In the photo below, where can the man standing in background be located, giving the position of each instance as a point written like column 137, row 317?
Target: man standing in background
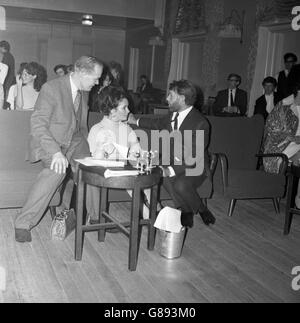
column 9, row 60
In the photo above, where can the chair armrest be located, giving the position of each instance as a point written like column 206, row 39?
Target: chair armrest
column 213, row 163
column 224, row 168
column 285, row 160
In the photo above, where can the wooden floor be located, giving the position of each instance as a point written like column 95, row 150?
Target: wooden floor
column 241, row 259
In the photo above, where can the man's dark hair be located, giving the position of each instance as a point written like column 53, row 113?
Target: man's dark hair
column 63, row 67
column 287, row 56
column 185, row 88
column 238, row 77
column 110, row 98
column 271, row 80
column 5, row 44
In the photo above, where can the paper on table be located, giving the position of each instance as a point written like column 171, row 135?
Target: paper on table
column 118, row 173
column 90, row 161
column 169, row 219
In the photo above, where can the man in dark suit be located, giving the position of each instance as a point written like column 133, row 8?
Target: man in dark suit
column 231, row 102
column 9, row 60
column 179, row 179
column 266, row 103
column 58, row 136
column 283, row 88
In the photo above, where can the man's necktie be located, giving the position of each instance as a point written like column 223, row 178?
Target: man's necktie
column 77, row 101
column 231, row 99
column 175, row 120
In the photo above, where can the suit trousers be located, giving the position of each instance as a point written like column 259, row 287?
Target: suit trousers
column 40, row 195
column 183, row 191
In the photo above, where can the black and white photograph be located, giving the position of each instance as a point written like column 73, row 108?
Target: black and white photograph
column 149, row 154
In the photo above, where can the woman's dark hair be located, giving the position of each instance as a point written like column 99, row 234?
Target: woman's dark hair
column 21, row 68
column 34, row 68
column 106, row 73
column 110, row 98
column 185, row 88
column 118, row 81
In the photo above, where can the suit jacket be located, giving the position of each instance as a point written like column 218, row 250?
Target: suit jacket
column 283, row 86
column 53, row 123
column 194, row 121
column 221, row 102
column 9, row 60
column 261, row 105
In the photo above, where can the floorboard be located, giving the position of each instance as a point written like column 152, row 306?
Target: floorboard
column 242, row 259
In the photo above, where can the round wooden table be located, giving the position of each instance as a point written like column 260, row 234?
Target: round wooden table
column 95, row 176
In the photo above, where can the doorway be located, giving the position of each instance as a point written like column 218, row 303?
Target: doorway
column 273, row 42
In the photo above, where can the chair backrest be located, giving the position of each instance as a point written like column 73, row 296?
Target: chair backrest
column 14, row 138
column 239, row 138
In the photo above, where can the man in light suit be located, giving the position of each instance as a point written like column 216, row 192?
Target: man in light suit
column 231, row 102
column 183, row 117
column 58, row 136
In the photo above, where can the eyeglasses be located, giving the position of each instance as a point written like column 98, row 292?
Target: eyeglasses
column 290, row 61
column 233, row 80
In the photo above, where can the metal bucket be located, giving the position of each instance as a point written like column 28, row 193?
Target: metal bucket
column 170, row 243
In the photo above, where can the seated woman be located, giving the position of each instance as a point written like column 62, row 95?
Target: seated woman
column 282, row 133
column 23, row 95
column 111, row 138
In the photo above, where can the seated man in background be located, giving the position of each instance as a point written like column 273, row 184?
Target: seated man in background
column 231, row 102
column 145, row 86
column 180, row 184
column 266, row 103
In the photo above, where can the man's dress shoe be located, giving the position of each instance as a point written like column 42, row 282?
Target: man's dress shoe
column 187, row 219
column 207, row 217
column 23, row 235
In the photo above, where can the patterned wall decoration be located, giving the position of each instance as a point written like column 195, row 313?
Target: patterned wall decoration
column 212, row 46
column 190, row 16
column 185, row 17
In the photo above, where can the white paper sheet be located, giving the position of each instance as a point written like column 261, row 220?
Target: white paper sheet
column 120, row 173
column 90, row 161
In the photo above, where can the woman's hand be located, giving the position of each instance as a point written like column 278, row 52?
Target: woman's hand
column 108, row 149
column 134, row 153
column 19, row 80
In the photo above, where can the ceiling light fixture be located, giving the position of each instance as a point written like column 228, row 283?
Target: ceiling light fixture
column 87, row 20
